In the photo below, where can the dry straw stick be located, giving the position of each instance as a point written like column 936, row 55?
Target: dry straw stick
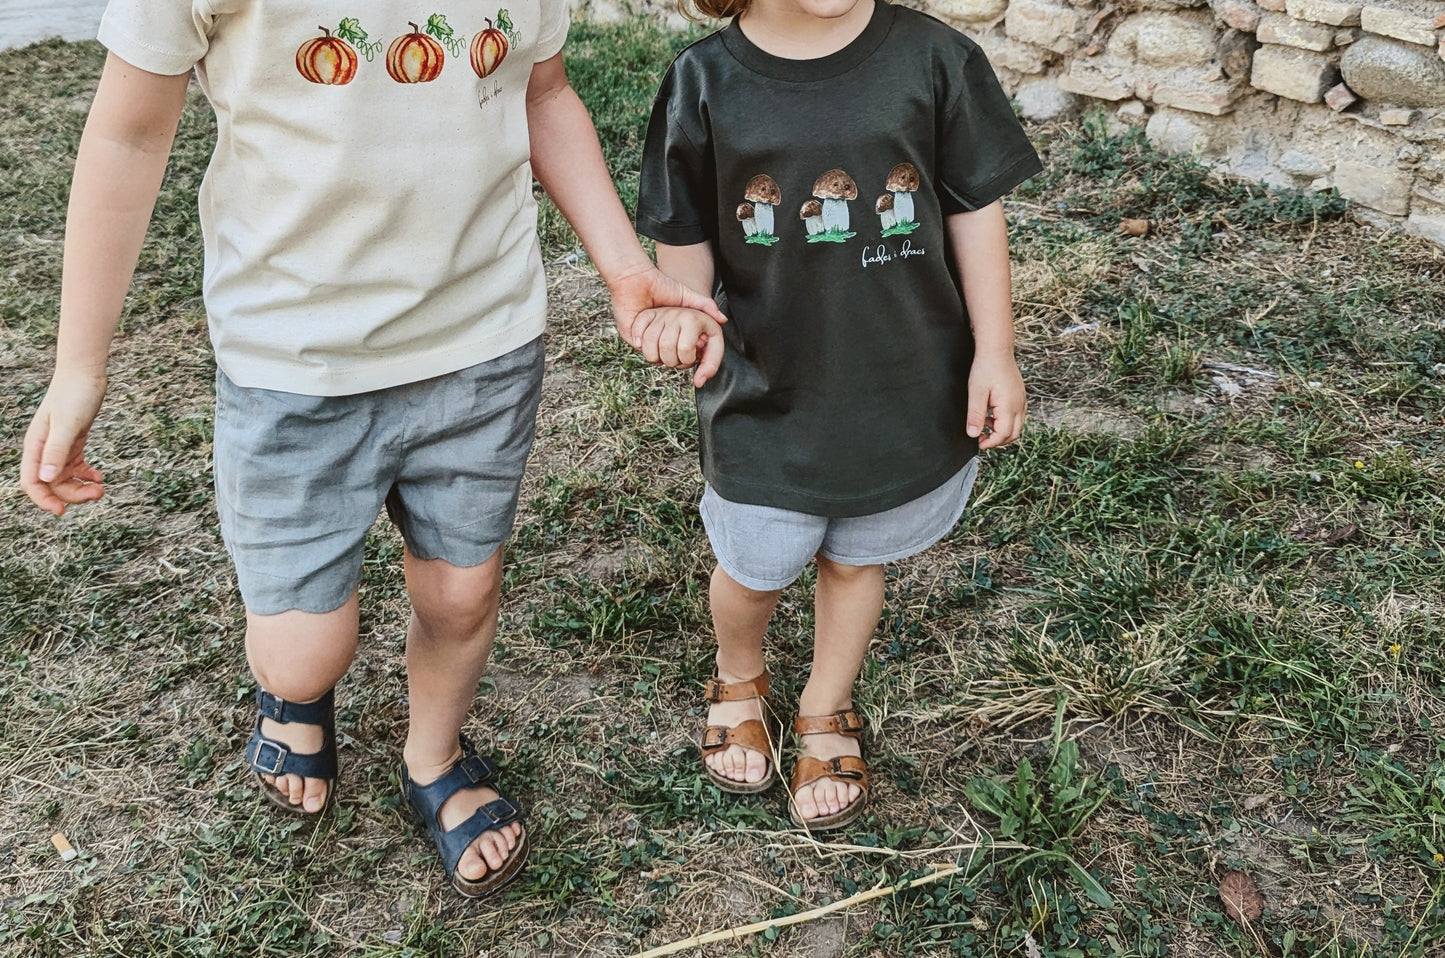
column 736, row 934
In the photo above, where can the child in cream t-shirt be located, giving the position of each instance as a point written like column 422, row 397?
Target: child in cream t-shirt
column 375, row 296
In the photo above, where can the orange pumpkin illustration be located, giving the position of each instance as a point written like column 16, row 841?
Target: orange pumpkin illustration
column 489, row 49
column 326, row 59
column 414, row 57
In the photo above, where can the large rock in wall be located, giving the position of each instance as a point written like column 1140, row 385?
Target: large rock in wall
column 1347, row 94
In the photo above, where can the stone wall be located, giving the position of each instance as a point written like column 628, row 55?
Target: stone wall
column 1306, row 93
column 1309, row 93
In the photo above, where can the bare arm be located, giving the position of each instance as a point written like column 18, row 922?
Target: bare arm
column 118, row 172
column 682, row 337
column 690, row 265
column 567, row 160
column 996, row 399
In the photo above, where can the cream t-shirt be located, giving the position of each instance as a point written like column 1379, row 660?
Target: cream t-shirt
column 367, row 215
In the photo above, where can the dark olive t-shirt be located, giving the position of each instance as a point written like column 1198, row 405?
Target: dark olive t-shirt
column 822, row 186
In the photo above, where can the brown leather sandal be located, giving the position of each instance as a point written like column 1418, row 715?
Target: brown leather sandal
column 848, row 769
column 754, row 734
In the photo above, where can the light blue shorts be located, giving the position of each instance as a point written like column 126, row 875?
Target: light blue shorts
column 765, row 549
column 300, row 479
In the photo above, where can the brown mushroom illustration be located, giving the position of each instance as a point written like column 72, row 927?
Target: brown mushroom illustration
column 884, row 209
column 748, row 217
column 812, row 216
column 835, row 188
column 763, row 192
column 903, row 183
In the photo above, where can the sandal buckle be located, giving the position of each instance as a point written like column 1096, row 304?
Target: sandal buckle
column 714, row 691
column 714, row 736
column 511, row 812
column 281, row 752
column 271, row 706
column 848, row 721
column 475, row 768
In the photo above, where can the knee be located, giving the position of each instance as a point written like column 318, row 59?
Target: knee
column 297, row 655
column 722, row 582
column 847, row 574
column 457, row 602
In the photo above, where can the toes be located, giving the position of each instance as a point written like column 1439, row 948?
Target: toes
column 293, row 787
column 315, row 793
column 757, row 766
column 472, row 866
column 489, row 852
column 807, row 808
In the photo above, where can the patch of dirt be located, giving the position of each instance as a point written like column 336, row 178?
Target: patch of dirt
column 1114, row 422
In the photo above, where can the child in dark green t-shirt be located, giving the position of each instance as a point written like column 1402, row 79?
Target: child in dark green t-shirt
column 833, row 171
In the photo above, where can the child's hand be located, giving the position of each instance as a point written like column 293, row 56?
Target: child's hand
column 996, row 401
column 680, row 338
column 53, row 470
column 635, row 295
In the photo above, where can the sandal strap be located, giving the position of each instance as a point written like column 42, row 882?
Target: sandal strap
column 720, row 691
column 468, row 772
column 453, row 843
column 845, row 768
column 278, row 709
column 844, row 722
column 267, row 756
column 752, row 734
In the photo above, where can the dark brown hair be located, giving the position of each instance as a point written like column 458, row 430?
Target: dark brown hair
column 716, row 9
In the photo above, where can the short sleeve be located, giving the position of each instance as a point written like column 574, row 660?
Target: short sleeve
column 983, row 152
column 167, row 37
column 676, row 200
column 555, row 22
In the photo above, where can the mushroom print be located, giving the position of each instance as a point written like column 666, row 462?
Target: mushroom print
column 327, row 59
column 763, row 193
column 902, row 184
column 835, row 188
column 812, row 216
column 489, row 48
column 884, row 209
column 748, row 217
column 415, row 57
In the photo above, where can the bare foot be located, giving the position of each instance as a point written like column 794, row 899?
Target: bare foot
column 302, row 739
column 491, row 849
column 827, row 796
column 736, row 763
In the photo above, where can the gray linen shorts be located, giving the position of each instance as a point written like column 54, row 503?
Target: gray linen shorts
column 300, row 479
column 765, row 548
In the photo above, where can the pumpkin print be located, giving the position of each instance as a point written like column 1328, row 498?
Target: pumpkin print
column 327, row 59
column 414, row 57
column 489, row 49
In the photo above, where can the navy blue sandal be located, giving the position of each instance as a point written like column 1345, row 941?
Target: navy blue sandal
column 266, row 756
column 469, row 772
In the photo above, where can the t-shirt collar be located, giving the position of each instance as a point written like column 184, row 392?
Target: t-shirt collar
column 820, row 68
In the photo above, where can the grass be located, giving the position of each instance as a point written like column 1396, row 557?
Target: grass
column 1190, row 623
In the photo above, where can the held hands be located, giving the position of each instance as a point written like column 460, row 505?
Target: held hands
column 53, row 470
column 641, row 292
column 996, row 401
column 670, row 324
column 680, row 338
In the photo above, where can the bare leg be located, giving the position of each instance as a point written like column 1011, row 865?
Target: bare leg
column 448, row 643
column 740, row 617
column 848, row 604
column 298, row 656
